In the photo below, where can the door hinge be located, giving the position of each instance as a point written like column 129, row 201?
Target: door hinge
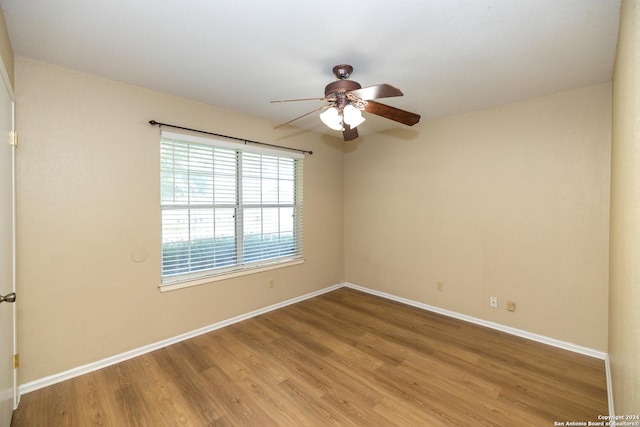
column 16, row 361
column 14, row 138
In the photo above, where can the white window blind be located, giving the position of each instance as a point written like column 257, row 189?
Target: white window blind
column 227, row 207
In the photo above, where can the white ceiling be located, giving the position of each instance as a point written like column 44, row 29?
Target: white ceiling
column 447, row 56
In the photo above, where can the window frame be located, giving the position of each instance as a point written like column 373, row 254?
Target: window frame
column 239, row 268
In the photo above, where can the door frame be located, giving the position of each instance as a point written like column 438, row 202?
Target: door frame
column 16, row 395
column 9, row 88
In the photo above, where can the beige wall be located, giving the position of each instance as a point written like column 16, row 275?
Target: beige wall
column 624, row 302
column 510, row 202
column 88, row 196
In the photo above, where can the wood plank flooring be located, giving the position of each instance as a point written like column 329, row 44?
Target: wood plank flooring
column 345, row 358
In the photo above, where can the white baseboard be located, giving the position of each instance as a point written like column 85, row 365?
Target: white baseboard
column 81, row 370
column 90, row 367
column 607, row 367
column 513, row 331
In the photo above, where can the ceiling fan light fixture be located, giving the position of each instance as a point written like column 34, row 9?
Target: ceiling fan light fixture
column 347, row 99
column 332, row 119
column 352, row 116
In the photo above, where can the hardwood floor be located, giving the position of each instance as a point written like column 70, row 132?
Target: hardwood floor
column 345, row 358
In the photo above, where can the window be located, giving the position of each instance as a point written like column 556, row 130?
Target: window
column 227, row 207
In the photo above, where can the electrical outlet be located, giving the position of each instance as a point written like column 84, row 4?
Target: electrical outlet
column 493, row 302
column 271, row 284
column 511, row 306
column 440, row 286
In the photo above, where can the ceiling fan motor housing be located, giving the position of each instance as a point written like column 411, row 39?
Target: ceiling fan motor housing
column 341, row 86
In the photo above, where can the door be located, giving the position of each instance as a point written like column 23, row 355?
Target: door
column 8, row 375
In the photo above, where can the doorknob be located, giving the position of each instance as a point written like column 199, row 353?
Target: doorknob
column 8, row 297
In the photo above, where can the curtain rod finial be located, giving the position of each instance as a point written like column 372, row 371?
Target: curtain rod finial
column 153, row 122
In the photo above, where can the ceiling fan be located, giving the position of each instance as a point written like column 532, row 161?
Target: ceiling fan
column 347, row 99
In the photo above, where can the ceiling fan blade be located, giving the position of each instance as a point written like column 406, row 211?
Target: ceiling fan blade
column 392, row 113
column 305, row 114
column 301, row 99
column 383, row 90
column 348, row 133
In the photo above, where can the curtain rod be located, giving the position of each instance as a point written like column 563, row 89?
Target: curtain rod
column 153, row 122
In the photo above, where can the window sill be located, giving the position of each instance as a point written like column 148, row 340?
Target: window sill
column 215, row 278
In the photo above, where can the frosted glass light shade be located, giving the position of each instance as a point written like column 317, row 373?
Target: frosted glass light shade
column 352, row 116
column 332, row 118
